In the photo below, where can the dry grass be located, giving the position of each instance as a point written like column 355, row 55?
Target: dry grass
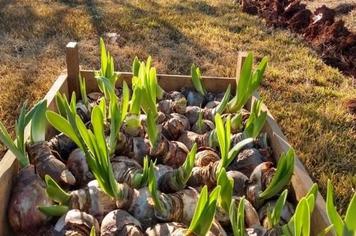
column 304, row 94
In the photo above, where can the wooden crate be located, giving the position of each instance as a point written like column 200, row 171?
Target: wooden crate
column 68, row 82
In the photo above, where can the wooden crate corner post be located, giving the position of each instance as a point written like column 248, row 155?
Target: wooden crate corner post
column 72, row 61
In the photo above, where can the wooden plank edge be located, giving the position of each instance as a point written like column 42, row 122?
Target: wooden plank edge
column 9, row 164
column 301, row 180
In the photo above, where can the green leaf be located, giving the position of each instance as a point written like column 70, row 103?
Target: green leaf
column 55, row 192
column 350, row 217
column 333, row 215
column 135, row 67
column 124, row 100
column 278, row 208
column 222, row 105
column 237, row 217
column 220, row 131
column 83, row 91
column 236, row 149
column 283, row 175
column 204, row 212
column 187, row 167
column 197, row 81
column 103, row 57
column 54, row 210
column 152, row 188
column 39, row 122
column 227, row 184
column 62, row 125
column 152, row 130
column 92, row 231
column 60, row 104
column 7, row 141
column 302, row 218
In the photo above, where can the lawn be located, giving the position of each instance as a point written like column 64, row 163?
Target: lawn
column 306, row 96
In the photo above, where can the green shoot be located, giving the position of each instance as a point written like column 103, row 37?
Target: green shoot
column 204, row 212
column 302, row 217
column 237, row 217
column 222, row 105
column 83, row 91
column 39, row 122
column 197, row 80
column 224, row 138
column 236, row 121
column 54, row 210
column 248, row 83
column 200, row 122
column 227, row 185
column 255, row 121
column 92, row 143
column 118, row 113
column 141, row 179
column 152, row 188
column 275, row 215
column 223, row 134
column 18, row 147
column 152, row 130
column 184, row 171
column 135, row 67
column 55, row 192
column 341, row 226
column 92, row 231
column 283, row 175
column 311, row 196
column 107, row 69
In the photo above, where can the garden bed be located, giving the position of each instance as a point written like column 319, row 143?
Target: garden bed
column 66, row 84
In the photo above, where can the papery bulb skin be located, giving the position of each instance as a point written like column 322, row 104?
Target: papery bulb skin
column 78, row 165
column 46, row 163
column 205, row 156
column 120, row 223
column 62, row 145
column 76, row 222
column 259, row 179
column 175, row 126
column 125, row 169
column 92, row 200
column 240, row 182
column 246, row 161
column 206, row 126
column 194, row 98
column 28, row 193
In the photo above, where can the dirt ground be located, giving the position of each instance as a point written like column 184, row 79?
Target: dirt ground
column 306, row 96
column 346, row 10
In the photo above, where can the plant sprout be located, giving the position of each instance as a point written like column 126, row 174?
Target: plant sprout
column 275, row 214
column 256, row 120
column 341, row 226
column 248, row 82
column 107, row 69
column 281, row 178
column 141, row 179
column 237, row 217
column 299, row 224
column 152, row 188
column 222, row 105
column 223, row 134
column 200, row 121
column 92, row 143
column 38, row 131
column 197, row 80
column 227, row 184
column 83, row 91
column 204, row 212
column 54, row 210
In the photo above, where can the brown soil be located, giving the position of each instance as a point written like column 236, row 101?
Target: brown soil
column 334, row 42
